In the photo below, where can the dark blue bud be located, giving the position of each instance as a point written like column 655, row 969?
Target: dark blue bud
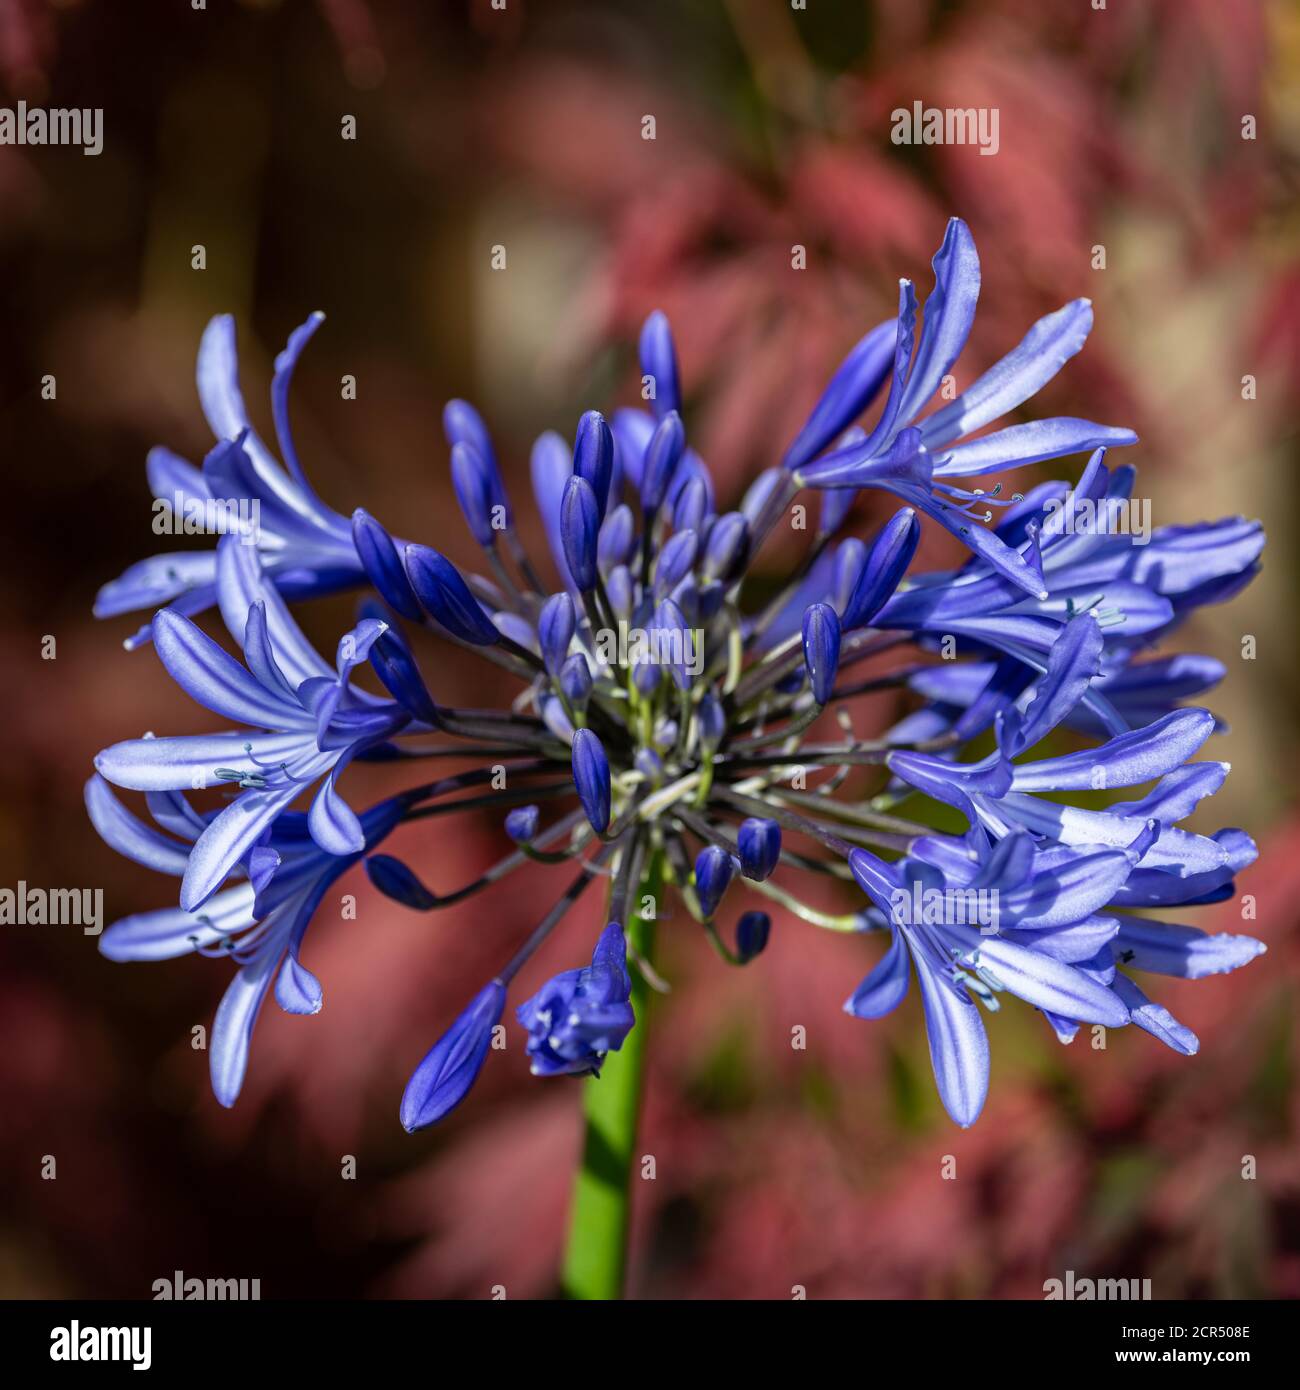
column 591, row 778
column 850, row 556
column 469, row 477
column 663, row 454
column 727, row 551
column 758, row 845
column 593, row 455
column 395, row 665
column 711, row 721
column 713, row 871
column 692, row 469
column 446, row 597
column 618, row 587
column 752, row 932
column 395, row 880
column 383, row 565
column 659, row 362
column 522, row 823
column 675, row 642
column 692, row 506
column 848, row 393
column 676, row 560
column 617, row 537
column 821, row 648
column 575, row 681
column 555, row 629
column 579, row 528
column 887, row 561
column 452, row 1065
column 462, row 424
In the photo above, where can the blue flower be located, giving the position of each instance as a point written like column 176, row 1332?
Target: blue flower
column 259, row 922
column 580, row 1015
column 915, row 458
column 305, row 547
column 1043, row 923
column 666, row 714
column 307, row 723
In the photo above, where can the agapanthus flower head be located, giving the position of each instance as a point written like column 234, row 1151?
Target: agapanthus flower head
column 676, row 726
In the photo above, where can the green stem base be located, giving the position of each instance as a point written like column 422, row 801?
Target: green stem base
column 595, row 1259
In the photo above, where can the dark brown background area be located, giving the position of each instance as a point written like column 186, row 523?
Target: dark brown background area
column 476, row 128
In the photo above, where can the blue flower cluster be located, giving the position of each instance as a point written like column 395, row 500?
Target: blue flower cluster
column 677, row 718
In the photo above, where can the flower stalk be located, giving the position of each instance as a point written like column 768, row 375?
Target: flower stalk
column 595, row 1259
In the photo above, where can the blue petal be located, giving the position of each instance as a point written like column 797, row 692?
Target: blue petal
column 1155, row 1018
column 1067, row 894
column 172, row 931
column 240, row 584
column 189, row 761
column 1018, row 445
column 225, row 842
column 158, row 580
column 297, row 990
column 217, row 681
column 334, row 824
column 949, row 314
column 129, row 835
column 959, row 1046
column 232, row 1029
column 168, row 474
column 1170, row 949
column 173, row 812
column 260, row 656
column 1127, row 760
column 1075, row 658
column 1043, row 351
column 1046, row 983
column 885, row 987
column 847, row 395
column 1072, row 945
column 1177, row 795
column 280, row 384
column 1176, row 851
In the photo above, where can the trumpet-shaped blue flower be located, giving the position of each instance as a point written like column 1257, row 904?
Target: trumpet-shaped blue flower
column 304, row 546
column 670, row 721
column 259, row 922
column 579, row 1016
column 306, row 723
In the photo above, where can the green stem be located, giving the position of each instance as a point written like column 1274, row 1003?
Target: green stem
column 595, row 1259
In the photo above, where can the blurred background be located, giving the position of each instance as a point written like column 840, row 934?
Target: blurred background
column 1120, row 128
